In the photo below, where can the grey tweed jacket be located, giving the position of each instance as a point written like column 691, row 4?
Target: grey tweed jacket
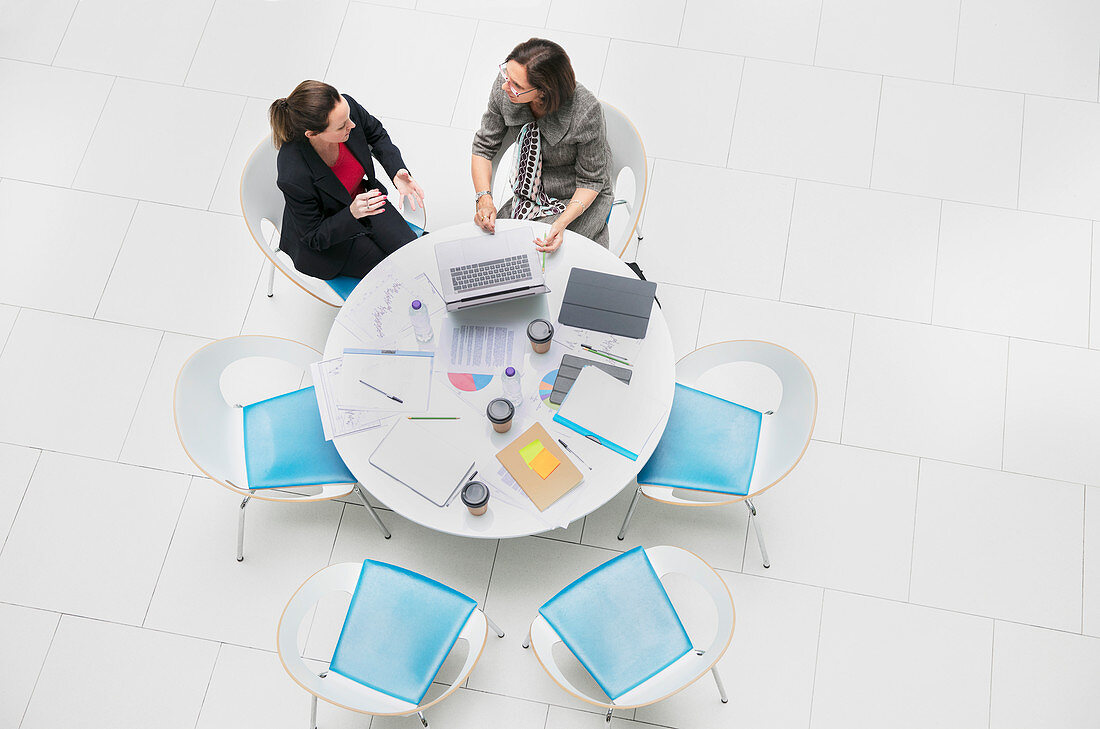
column 574, row 153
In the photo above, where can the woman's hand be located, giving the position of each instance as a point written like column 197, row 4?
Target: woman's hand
column 408, row 187
column 370, row 202
column 553, row 239
column 486, row 214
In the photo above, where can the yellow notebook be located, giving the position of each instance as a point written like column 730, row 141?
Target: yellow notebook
column 559, row 479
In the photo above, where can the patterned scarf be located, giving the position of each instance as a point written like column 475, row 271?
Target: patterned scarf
column 530, row 201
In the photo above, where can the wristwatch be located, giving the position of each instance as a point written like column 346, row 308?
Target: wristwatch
column 477, row 195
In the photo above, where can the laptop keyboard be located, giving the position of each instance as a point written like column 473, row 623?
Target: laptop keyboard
column 490, row 273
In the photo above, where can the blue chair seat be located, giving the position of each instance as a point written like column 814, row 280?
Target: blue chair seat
column 619, row 623
column 709, row 444
column 344, row 285
column 284, row 444
column 398, row 631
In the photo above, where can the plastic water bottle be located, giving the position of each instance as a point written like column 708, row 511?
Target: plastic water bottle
column 422, row 325
column 512, row 390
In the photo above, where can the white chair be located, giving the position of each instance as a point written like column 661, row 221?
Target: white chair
column 618, row 622
column 262, row 200
column 627, row 152
column 383, row 672
column 285, row 457
column 784, row 432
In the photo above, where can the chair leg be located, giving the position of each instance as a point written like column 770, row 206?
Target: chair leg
column 607, row 718
column 240, row 528
column 422, row 719
column 638, row 230
column 759, row 534
column 527, row 640
column 312, row 712
column 494, row 626
column 721, row 688
column 372, row 512
column 270, row 279
column 630, row 513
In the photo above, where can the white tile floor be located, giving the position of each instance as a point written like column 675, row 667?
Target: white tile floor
column 904, row 193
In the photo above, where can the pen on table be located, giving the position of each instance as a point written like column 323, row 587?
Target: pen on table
column 395, row 399
column 457, row 490
column 610, row 356
column 577, row 455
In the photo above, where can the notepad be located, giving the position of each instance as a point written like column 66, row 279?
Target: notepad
column 605, row 410
column 405, row 375
column 415, row 454
column 548, row 475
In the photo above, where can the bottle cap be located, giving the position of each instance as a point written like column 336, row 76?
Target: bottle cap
column 510, row 371
column 416, row 304
column 475, row 494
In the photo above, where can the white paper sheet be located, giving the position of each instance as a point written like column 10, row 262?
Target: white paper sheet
column 405, row 376
column 613, row 411
column 382, row 314
column 480, row 348
column 334, row 421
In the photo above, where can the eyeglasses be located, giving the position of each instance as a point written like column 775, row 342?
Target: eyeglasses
column 503, row 68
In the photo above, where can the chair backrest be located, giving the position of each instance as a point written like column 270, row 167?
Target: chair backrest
column 785, row 434
column 262, row 200
column 208, row 427
column 627, row 152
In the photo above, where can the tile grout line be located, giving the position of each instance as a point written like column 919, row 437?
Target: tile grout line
column 7, row 336
column 205, row 25
column 1092, row 263
column 465, row 68
column 228, row 151
column 817, row 657
column 489, row 582
column 958, row 30
column 91, row 137
column 144, row 387
column 1084, row 529
column 1004, row 410
column 992, row 661
column 817, row 36
column 913, row 542
column 15, row 514
column 209, row 683
column 874, row 139
column 603, row 70
column 118, row 253
column 167, row 550
column 328, row 562
column 699, row 325
column 64, row 33
column 936, row 267
column 787, row 243
column 847, row 383
column 336, row 41
column 683, row 17
column 733, row 122
column 38, row 676
column 1020, row 163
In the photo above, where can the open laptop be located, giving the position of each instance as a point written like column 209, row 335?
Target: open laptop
column 489, row 268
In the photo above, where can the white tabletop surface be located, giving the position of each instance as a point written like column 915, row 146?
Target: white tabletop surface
column 509, row 515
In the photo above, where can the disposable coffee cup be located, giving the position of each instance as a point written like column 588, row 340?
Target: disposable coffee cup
column 500, row 412
column 539, row 333
column 475, row 495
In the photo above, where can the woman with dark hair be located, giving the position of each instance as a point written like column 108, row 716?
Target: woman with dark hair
column 337, row 220
column 562, row 170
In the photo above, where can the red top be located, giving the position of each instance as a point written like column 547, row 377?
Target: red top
column 349, row 171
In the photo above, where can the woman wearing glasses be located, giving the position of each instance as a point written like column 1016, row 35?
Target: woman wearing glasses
column 562, row 170
column 337, row 220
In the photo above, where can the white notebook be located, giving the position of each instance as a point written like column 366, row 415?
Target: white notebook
column 405, row 375
column 416, row 455
column 609, row 412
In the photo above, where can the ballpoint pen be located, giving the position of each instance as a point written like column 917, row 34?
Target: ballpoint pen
column 395, row 399
column 608, row 355
column 458, row 489
column 575, row 454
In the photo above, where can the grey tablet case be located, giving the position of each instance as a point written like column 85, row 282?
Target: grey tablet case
column 602, row 302
column 571, row 367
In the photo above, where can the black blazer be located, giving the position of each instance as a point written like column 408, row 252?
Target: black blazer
column 318, row 227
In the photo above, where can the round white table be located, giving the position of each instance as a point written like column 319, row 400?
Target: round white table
column 378, row 302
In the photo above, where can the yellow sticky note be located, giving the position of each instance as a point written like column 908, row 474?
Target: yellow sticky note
column 529, row 451
column 544, row 463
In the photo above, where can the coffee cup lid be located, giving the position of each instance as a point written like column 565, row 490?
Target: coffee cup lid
column 475, row 494
column 500, row 410
column 540, row 330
